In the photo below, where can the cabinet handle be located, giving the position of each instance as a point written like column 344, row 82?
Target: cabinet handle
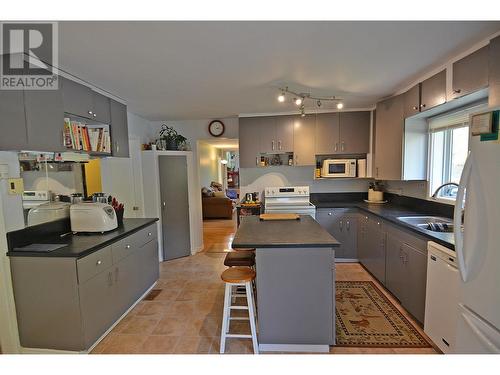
column 90, row 112
column 342, row 146
column 272, row 145
column 415, row 108
column 348, row 225
column 110, row 278
column 149, row 233
column 329, row 214
column 257, row 160
column 340, row 225
column 95, row 114
column 117, row 146
column 117, row 270
column 422, row 105
column 279, row 145
column 376, row 172
column 336, row 146
column 127, row 247
column 98, row 263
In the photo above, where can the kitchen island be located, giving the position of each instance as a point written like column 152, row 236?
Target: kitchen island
column 295, row 262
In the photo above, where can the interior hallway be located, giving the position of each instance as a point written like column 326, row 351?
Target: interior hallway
column 185, row 317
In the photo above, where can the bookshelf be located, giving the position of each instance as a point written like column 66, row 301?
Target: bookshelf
column 81, row 134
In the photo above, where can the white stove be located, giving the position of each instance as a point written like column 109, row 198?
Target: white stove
column 288, row 199
column 34, row 198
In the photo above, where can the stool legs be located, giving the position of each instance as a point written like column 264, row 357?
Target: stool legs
column 230, row 294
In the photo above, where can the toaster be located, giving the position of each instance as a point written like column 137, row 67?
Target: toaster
column 92, row 217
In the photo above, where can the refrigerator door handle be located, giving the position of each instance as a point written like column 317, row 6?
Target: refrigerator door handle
column 469, row 319
column 457, row 218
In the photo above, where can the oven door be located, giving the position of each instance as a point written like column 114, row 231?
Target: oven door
column 333, row 168
column 299, row 210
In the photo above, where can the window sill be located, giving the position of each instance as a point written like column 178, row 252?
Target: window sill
column 450, row 201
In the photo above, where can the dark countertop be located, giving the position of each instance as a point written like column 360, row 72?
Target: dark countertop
column 390, row 211
column 305, row 232
column 80, row 245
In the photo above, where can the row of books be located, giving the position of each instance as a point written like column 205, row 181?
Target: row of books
column 79, row 136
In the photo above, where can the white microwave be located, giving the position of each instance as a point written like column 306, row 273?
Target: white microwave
column 339, row 168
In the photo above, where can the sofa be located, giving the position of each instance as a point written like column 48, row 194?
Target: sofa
column 215, row 203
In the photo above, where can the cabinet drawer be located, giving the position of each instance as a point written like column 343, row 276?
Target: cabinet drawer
column 146, row 235
column 127, row 245
column 93, row 264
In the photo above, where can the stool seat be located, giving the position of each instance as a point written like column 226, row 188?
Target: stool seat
column 240, row 258
column 238, row 275
column 252, row 249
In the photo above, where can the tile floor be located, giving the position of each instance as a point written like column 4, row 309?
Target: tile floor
column 186, row 316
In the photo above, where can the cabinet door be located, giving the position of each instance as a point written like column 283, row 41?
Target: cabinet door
column 354, row 132
column 249, row 147
column 494, row 73
column 119, row 129
column 97, row 304
column 416, row 276
column 350, row 237
column 389, row 139
column 330, row 220
column 376, row 251
column 433, row 91
column 44, row 119
column 77, row 98
column 395, row 273
column 412, row 101
column 265, row 128
column 12, row 121
column 101, row 109
column 303, row 140
column 150, row 265
column 284, row 133
column 363, row 245
column 471, row 72
column 327, row 134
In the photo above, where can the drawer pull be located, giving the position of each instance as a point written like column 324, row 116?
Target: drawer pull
column 127, row 247
column 149, row 233
column 99, row 262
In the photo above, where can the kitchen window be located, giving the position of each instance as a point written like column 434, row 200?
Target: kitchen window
column 449, row 140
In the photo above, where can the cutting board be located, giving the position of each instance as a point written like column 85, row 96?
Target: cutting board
column 271, row 217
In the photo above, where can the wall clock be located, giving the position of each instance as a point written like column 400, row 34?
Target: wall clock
column 216, row 128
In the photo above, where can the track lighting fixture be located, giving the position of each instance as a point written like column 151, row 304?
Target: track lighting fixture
column 300, row 98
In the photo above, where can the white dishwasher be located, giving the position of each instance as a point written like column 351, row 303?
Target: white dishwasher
column 441, row 299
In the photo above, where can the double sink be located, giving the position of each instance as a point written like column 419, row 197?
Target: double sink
column 429, row 223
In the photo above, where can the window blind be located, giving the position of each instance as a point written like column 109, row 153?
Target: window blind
column 456, row 119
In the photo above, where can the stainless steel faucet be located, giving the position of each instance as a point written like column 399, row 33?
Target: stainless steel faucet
column 442, row 186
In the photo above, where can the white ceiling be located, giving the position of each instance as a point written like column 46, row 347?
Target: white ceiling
column 195, row 70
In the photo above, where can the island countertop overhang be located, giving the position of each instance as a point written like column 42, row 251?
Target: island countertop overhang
column 303, row 233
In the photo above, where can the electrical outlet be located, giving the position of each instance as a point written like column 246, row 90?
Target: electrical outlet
column 16, row 186
column 421, row 185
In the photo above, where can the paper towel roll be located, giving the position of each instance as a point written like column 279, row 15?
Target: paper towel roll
column 361, row 167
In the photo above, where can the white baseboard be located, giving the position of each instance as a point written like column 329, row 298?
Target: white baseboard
column 346, row 260
column 309, row 348
column 55, row 351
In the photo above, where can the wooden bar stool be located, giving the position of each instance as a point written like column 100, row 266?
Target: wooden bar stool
column 234, row 277
column 244, row 258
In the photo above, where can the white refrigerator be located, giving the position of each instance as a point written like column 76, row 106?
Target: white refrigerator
column 478, row 248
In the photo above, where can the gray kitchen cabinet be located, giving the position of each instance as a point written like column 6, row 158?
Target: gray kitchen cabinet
column 343, row 225
column 119, row 129
column 304, row 135
column 471, row 72
column 97, row 304
column 77, row 99
column 494, row 72
column 375, row 261
column 433, row 91
column 78, row 300
column 265, row 130
column 354, row 132
column 284, row 133
column 327, row 133
column 13, row 130
column 412, row 101
column 349, row 231
column 249, row 147
column 44, row 120
column 101, row 108
column 395, row 274
column 363, row 244
column 416, row 264
column 389, row 134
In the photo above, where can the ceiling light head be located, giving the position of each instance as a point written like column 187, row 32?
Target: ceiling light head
column 298, row 101
column 340, row 105
column 281, row 97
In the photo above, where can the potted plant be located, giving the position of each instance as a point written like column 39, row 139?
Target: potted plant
column 170, row 137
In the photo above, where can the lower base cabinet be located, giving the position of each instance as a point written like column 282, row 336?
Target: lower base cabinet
column 342, row 224
column 77, row 301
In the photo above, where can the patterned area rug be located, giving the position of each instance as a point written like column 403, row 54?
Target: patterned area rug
column 366, row 318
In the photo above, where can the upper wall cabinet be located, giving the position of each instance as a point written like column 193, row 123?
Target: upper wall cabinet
column 284, row 133
column 304, row 134
column 471, row 73
column 412, row 101
column 327, row 133
column 389, row 139
column 249, row 141
column 81, row 100
column 433, row 91
column 275, row 134
column 119, row 129
column 13, row 131
column 354, row 132
column 343, row 133
column 494, row 72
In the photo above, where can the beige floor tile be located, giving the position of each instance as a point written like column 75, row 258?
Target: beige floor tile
column 140, row 325
column 159, row 344
column 124, row 344
column 170, row 326
column 194, row 345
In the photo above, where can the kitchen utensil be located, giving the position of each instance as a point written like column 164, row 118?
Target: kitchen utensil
column 272, row 217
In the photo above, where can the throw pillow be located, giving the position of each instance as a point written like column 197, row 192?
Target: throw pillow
column 219, row 194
